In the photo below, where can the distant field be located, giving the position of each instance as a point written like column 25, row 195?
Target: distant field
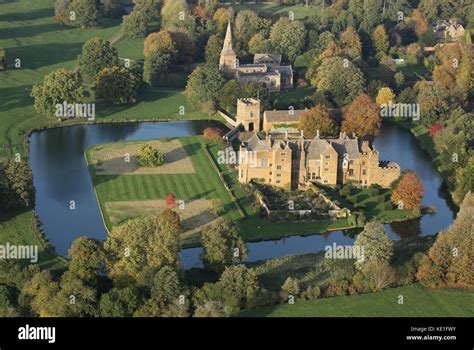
column 418, row 302
column 300, row 11
column 203, row 184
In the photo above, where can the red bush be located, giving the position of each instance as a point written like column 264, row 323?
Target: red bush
column 434, row 129
column 170, row 199
column 213, row 134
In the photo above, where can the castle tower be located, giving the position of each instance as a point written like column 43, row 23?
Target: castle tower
column 228, row 59
column 248, row 113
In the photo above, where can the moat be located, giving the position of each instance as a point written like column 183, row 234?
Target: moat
column 60, row 175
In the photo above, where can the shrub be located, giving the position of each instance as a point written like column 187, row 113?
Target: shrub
column 149, row 156
column 311, row 293
column 290, row 287
column 213, row 134
column 217, row 206
column 171, row 217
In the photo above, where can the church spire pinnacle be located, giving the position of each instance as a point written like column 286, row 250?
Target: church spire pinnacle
column 228, row 44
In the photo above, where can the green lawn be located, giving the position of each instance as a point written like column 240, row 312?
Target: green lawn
column 203, row 184
column 418, row 302
column 28, row 32
column 15, row 228
column 300, row 11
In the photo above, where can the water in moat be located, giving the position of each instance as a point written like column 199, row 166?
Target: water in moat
column 60, row 175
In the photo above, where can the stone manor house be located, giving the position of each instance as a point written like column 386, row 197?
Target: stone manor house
column 292, row 163
column 266, row 70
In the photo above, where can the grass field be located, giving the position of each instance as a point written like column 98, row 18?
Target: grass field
column 203, row 184
column 300, row 11
column 418, row 302
column 15, row 228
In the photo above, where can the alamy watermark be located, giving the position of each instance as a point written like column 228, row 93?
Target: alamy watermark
column 229, row 156
column 400, row 110
column 336, row 251
column 24, row 252
column 67, row 110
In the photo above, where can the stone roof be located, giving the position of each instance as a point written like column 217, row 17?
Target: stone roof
column 285, row 71
column 254, row 143
column 267, row 58
column 314, row 148
column 283, row 116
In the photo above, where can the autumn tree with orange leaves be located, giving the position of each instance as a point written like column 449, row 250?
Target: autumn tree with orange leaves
column 408, row 191
column 448, row 262
column 362, row 118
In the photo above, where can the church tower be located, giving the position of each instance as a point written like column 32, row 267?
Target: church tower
column 228, row 59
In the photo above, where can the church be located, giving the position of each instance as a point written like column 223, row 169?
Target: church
column 266, row 70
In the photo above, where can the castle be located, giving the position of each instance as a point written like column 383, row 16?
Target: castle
column 266, row 70
column 293, row 163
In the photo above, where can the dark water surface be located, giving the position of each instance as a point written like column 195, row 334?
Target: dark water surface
column 60, row 175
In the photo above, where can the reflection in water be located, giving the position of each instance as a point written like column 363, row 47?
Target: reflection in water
column 60, row 175
column 407, row 228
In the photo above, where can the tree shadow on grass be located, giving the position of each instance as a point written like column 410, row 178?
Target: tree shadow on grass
column 27, row 16
column 106, row 108
column 15, row 97
column 36, row 56
column 28, row 30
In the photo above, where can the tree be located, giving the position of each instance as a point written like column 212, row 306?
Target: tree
column 373, row 244
column 241, row 288
column 16, row 185
column 290, row 287
column 258, row 44
column 445, row 75
column 87, row 259
column 76, row 298
column 174, row 14
column 119, row 302
column 433, row 100
column 204, row 87
column 58, row 87
column 385, row 96
column 96, row 55
column 85, row 13
column 375, row 276
column 288, row 38
column 231, row 91
column 171, row 217
column 178, row 45
column 170, row 199
column 341, row 79
column 362, row 118
column 318, row 119
column 119, row 85
column 155, row 69
column 408, row 191
column 448, row 263
column 113, row 8
column 380, row 41
column 399, row 79
column 222, row 17
column 222, row 245
column 165, row 290
column 135, row 25
column 40, row 292
column 150, row 8
column 138, row 243
column 420, row 23
column 148, row 156
column 213, row 50
column 350, row 41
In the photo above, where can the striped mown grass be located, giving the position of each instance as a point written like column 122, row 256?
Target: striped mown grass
column 203, row 184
